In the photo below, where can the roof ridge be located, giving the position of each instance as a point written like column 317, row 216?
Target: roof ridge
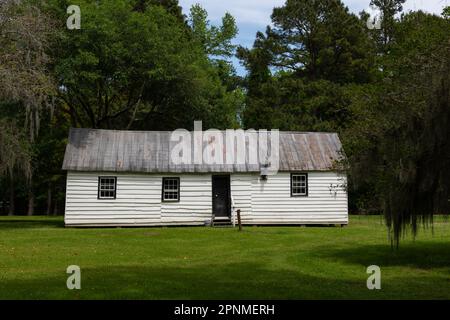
column 222, row 130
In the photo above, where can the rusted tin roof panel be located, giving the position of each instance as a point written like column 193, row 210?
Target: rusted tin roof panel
column 150, row 151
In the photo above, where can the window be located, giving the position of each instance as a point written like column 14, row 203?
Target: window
column 107, row 187
column 299, row 185
column 171, row 189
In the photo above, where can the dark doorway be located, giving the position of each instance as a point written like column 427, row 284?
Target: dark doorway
column 221, row 196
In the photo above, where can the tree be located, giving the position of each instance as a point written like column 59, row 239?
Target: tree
column 389, row 9
column 134, row 64
column 172, row 7
column 319, row 40
column 216, row 41
column 141, row 71
column 24, row 77
column 25, row 86
column 401, row 129
column 15, row 155
column 257, row 62
column 446, row 12
column 386, row 92
column 299, row 69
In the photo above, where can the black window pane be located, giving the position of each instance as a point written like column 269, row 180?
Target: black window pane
column 299, row 185
column 170, row 190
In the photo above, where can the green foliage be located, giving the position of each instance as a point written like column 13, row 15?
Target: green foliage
column 136, row 69
column 386, row 35
column 26, row 90
column 171, row 6
column 216, row 41
column 316, row 49
column 402, row 126
column 133, row 65
column 290, row 103
column 385, row 91
column 446, row 12
column 24, row 78
column 319, row 40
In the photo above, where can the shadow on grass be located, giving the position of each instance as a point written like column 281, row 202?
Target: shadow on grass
column 225, row 281
column 31, row 223
column 416, row 255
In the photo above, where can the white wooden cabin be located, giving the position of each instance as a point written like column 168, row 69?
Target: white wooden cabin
column 125, row 178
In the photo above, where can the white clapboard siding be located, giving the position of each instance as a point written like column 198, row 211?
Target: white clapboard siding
column 241, row 191
column 326, row 202
column 138, row 200
column 195, row 205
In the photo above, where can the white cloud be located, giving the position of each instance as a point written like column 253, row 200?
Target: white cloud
column 258, row 12
column 245, row 11
column 432, row 6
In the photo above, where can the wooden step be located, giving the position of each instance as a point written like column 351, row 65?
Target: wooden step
column 222, row 222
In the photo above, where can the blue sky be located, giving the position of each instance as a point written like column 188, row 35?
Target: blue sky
column 254, row 15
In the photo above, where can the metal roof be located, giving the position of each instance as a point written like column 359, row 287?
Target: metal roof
column 149, row 151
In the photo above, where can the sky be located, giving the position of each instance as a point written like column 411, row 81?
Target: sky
column 254, row 15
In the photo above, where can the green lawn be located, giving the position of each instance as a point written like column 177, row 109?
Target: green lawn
column 220, row 263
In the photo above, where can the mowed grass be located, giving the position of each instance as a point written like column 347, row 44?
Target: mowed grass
column 220, row 263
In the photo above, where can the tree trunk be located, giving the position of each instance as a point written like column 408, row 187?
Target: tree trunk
column 12, row 197
column 55, row 208
column 31, row 195
column 30, row 211
column 49, row 199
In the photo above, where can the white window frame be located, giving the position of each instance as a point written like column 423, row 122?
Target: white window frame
column 106, row 187
column 299, row 185
column 165, row 191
